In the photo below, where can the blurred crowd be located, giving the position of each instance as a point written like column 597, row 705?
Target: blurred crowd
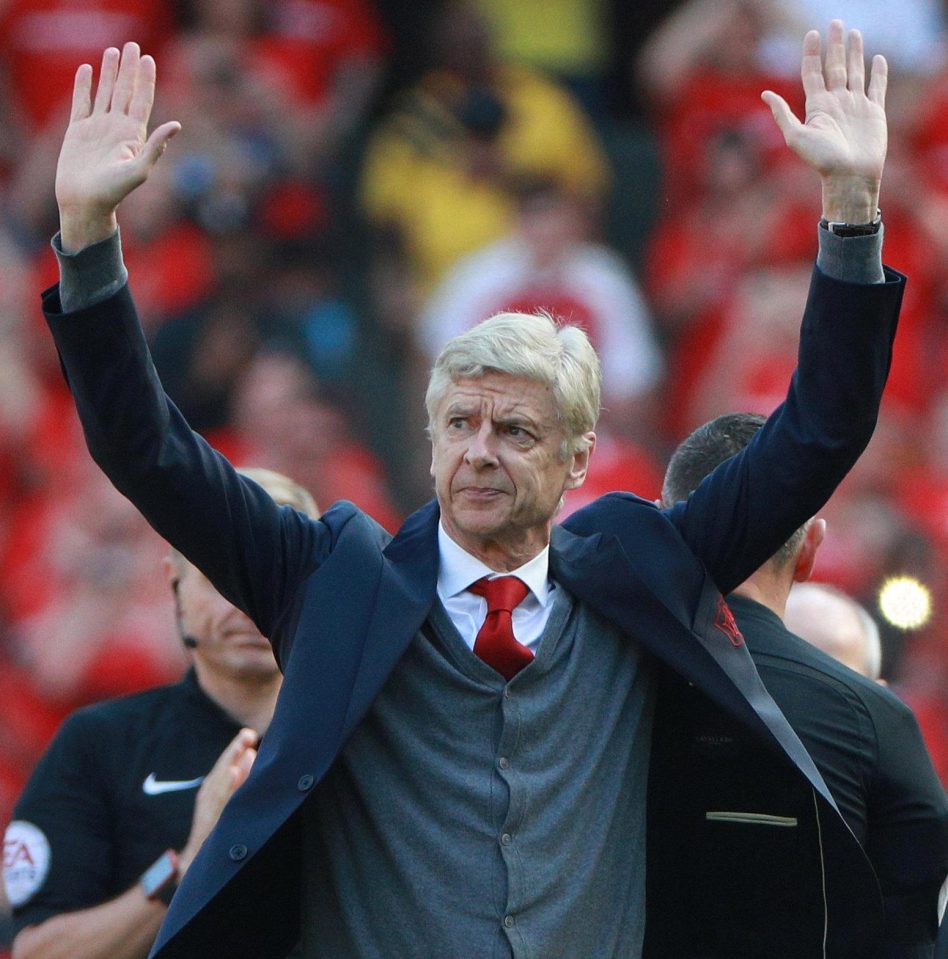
column 357, row 181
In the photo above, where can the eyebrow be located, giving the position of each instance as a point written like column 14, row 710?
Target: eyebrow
column 457, row 409
column 519, row 419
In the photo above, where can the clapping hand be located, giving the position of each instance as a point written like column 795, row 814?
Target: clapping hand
column 229, row 773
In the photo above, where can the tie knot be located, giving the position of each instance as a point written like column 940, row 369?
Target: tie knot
column 502, row 592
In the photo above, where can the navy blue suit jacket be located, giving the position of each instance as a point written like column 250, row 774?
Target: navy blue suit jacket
column 341, row 600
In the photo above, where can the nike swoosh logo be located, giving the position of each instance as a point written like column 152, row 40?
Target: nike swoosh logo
column 155, row 787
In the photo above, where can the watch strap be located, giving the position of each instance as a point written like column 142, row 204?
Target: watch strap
column 160, row 880
column 853, row 229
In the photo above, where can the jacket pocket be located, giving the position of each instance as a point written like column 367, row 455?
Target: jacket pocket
column 751, row 818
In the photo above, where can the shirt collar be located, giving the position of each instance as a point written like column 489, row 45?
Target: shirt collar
column 457, row 569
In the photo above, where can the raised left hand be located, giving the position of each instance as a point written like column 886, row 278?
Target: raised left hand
column 844, row 136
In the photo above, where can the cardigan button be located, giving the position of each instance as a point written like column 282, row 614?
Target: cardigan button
column 237, row 852
column 305, row 782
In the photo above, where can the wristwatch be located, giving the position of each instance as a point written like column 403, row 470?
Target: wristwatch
column 160, row 880
column 853, row 229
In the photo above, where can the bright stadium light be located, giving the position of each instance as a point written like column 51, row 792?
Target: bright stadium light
column 905, row 602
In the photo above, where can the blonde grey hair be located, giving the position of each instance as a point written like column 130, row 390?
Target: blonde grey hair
column 535, row 347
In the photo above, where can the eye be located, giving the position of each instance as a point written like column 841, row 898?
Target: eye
column 520, row 434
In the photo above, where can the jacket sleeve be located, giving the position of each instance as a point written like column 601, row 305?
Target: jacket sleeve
column 742, row 513
column 254, row 551
column 907, row 841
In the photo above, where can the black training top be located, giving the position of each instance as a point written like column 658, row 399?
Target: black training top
column 114, row 790
column 866, row 743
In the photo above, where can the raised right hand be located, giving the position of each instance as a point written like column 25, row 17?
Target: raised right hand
column 106, row 152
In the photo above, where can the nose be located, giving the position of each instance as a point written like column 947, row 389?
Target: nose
column 481, row 451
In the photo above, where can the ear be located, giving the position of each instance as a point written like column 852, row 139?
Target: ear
column 579, row 463
column 812, row 539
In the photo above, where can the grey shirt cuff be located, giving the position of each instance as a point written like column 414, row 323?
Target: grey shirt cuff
column 853, row 259
column 92, row 275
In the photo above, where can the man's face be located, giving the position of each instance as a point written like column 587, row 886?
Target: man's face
column 228, row 643
column 498, row 467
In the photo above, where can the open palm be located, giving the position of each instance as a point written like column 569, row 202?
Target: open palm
column 106, row 151
column 844, row 133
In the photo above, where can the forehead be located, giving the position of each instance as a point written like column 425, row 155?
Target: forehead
column 500, row 395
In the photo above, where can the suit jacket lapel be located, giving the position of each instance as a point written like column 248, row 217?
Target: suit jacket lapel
column 597, row 570
column 406, row 591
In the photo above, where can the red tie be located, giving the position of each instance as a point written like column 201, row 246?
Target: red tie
column 495, row 642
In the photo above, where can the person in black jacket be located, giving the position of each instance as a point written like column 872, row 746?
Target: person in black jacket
column 864, row 740
column 118, row 806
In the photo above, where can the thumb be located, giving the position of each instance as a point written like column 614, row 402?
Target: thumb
column 782, row 114
column 158, row 142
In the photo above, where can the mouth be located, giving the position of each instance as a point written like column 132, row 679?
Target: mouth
column 481, row 493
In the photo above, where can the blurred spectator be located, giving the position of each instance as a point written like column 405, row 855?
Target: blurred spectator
column 574, row 46
column 203, row 351
column 737, row 356
column 741, row 215
column 90, row 614
column 307, row 306
column 436, row 178
column 922, row 486
column 620, row 464
column 837, row 624
column 175, row 259
column 268, row 93
column 550, row 262
column 266, row 292
column 42, row 42
column 20, row 387
column 283, row 420
column 702, row 74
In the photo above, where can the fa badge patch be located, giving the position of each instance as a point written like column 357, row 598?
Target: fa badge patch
column 25, row 861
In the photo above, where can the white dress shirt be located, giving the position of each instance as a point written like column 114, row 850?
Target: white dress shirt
column 458, row 569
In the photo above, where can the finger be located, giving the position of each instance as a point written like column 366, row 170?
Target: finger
column 127, row 77
column 245, row 739
column 241, row 769
column 151, row 153
column 811, row 65
column 783, row 115
column 835, row 67
column 878, row 80
column 855, row 63
column 107, row 73
column 144, row 97
column 82, row 93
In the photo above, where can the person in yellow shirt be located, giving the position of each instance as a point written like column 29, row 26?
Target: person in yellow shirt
column 436, row 180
